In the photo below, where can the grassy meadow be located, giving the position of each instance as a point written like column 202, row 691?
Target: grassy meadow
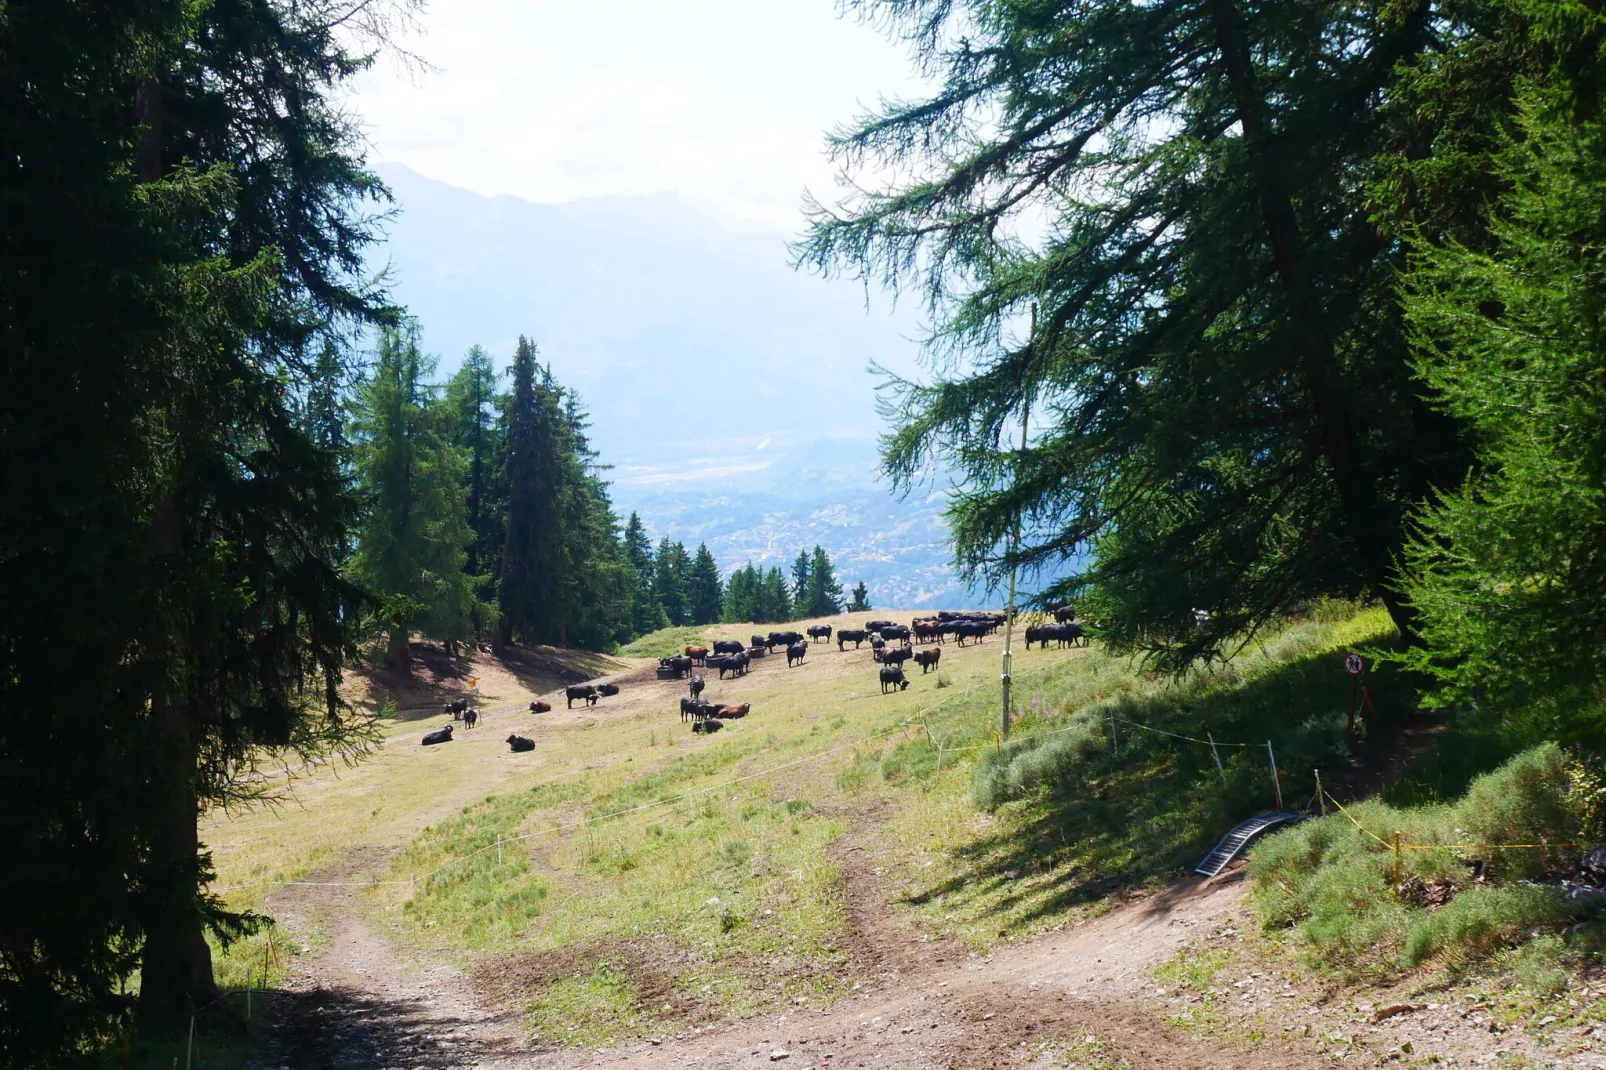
column 628, row 876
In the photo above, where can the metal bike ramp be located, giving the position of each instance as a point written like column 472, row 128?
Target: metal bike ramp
column 1239, row 837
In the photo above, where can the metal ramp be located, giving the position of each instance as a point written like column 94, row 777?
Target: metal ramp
column 1233, row 843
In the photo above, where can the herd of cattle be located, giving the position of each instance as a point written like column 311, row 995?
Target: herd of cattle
column 891, row 645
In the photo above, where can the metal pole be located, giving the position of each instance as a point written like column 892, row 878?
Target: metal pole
column 1005, row 677
column 1276, row 780
column 1320, row 798
column 1217, row 756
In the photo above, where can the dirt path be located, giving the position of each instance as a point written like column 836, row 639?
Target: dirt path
column 352, row 1003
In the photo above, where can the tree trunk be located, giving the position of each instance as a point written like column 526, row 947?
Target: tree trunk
column 1338, row 435
column 399, row 650
column 176, row 962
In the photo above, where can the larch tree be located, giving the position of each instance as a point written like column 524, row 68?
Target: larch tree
column 1152, row 225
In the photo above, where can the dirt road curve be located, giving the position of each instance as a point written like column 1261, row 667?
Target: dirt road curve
column 354, row 1004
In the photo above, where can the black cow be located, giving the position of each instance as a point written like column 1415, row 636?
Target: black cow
column 850, row 635
column 677, row 666
column 820, row 631
column 895, row 632
column 707, row 725
column 520, row 744
column 607, row 690
column 795, row 652
column 783, row 639
column 877, row 625
column 440, row 735
column 877, row 645
column 735, row 664
column 896, row 655
column 970, row 629
column 585, row 691
column 1035, row 634
column 693, row 708
column 892, row 678
column 727, row 646
column 697, row 684
column 928, row 658
column 757, row 640
column 471, row 717
column 456, row 708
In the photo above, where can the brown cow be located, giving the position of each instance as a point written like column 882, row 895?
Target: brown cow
column 697, row 654
column 540, row 706
column 928, row 658
column 734, row 711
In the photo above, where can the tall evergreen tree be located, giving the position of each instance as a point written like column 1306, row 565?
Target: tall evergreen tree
column 742, row 596
column 825, row 593
column 413, row 535
column 646, row 614
column 800, row 580
column 861, row 599
column 471, row 404
column 1509, row 572
column 774, row 601
column 670, row 575
column 705, row 592
column 1222, row 402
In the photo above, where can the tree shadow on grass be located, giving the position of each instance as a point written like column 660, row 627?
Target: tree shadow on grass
column 1090, row 825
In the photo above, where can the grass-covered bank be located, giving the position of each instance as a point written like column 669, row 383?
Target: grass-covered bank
column 1464, row 900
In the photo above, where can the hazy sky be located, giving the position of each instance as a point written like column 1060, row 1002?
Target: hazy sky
column 724, row 101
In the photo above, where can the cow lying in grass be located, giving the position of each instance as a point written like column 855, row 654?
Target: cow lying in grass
column 540, row 706
column 733, row 712
column 519, row 744
column 607, row 690
column 440, row 735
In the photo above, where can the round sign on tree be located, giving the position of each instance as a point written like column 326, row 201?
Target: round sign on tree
column 1353, row 664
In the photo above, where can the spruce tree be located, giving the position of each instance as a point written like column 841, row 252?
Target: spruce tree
column 471, row 404
column 1509, row 571
column 861, row 599
column 774, row 599
column 646, row 614
column 800, row 580
column 670, row 575
column 704, row 592
column 825, row 593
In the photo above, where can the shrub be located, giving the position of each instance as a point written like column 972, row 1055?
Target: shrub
column 1334, row 881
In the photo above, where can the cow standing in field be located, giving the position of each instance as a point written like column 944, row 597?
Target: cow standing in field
column 581, row 691
column 697, row 684
column 845, row 636
column 795, row 653
column 822, row 632
column 471, row 717
column 727, row 646
column 756, row 640
column 693, row 708
column 928, row 658
column 897, row 633
column 697, row 654
column 877, row 625
column 927, row 631
column 970, row 629
column 783, row 639
column 456, row 708
column 877, row 645
column 892, row 678
column 896, row 655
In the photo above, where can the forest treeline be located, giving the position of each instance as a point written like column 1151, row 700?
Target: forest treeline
column 482, row 513
column 1309, row 304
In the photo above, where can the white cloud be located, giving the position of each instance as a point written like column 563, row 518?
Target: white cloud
column 725, row 101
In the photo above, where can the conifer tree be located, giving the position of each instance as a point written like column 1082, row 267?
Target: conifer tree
column 774, row 598
column 742, row 596
column 861, row 599
column 1207, row 332
column 704, row 591
column 471, row 404
column 413, row 535
column 646, row 614
column 825, row 593
column 800, row 580
column 670, row 569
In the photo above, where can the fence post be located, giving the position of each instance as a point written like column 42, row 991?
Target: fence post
column 1277, row 781
column 1321, row 799
column 1115, row 742
column 1217, row 756
column 1396, row 863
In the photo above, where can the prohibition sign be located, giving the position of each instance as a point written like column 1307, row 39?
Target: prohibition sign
column 1353, row 664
